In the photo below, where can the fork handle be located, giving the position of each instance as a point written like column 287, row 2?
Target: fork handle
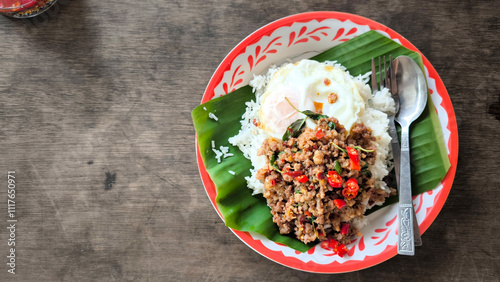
column 406, row 243
column 396, row 149
column 396, row 153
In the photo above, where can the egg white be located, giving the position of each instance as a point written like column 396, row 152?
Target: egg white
column 305, row 83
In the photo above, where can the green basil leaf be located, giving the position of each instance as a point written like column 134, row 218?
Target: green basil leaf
column 273, row 162
column 338, row 147
column 331, row 125
column 313, row 115
column 337, row 167
column 366, row 173
column 294, row 129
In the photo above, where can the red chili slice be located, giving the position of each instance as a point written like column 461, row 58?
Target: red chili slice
column 345, row 229
column 308, row 213
column 334, row 179
column 294, row 173
column 351, row 189
column 334, row 244
column 320, row 134
column 339, row 203
column 354, row 157
column 302, row 178
column 341, row 250
column 325, row 244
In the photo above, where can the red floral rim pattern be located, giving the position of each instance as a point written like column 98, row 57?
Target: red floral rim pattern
column 301, row 36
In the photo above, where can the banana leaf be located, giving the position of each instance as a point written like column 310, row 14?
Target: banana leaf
column 244, row 212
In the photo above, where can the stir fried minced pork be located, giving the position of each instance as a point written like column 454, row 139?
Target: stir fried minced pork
column 315, row 184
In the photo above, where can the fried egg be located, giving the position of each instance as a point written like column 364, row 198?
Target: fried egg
column 309, row 85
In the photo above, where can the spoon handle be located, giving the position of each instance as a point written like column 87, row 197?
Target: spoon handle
column 406, row 243
column 396, row 153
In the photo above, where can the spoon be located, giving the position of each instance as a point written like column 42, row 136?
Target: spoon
column 412, row 91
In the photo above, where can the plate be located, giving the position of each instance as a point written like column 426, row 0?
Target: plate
column 302, row 36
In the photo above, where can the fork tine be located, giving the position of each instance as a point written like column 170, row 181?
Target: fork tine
column 374, row 77
column 394, row 85
column 386, row 77
column 380, row 73
column 384, row 74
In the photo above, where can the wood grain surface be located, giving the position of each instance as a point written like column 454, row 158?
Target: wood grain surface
column 95, row 107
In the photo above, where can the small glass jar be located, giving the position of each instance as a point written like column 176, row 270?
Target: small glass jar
column 22, row 9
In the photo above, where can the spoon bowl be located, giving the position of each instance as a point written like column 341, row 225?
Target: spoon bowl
column 412, row 90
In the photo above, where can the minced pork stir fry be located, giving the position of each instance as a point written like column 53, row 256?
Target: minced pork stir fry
column 318, row 184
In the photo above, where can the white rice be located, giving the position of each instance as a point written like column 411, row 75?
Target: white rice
column 250, row 137
column 212, row 116
column 223, row 152
column 218, row 155
column 249, row 140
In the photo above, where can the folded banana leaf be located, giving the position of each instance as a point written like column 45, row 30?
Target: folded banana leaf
column 244, row 212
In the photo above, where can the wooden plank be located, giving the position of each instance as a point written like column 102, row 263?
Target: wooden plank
column 95, row 120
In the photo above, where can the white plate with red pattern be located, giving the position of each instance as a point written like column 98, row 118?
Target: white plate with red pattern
column 302, row 36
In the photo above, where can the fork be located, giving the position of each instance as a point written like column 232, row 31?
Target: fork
column 391, row 83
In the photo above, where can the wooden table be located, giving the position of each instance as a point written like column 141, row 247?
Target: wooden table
column 95, row 121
